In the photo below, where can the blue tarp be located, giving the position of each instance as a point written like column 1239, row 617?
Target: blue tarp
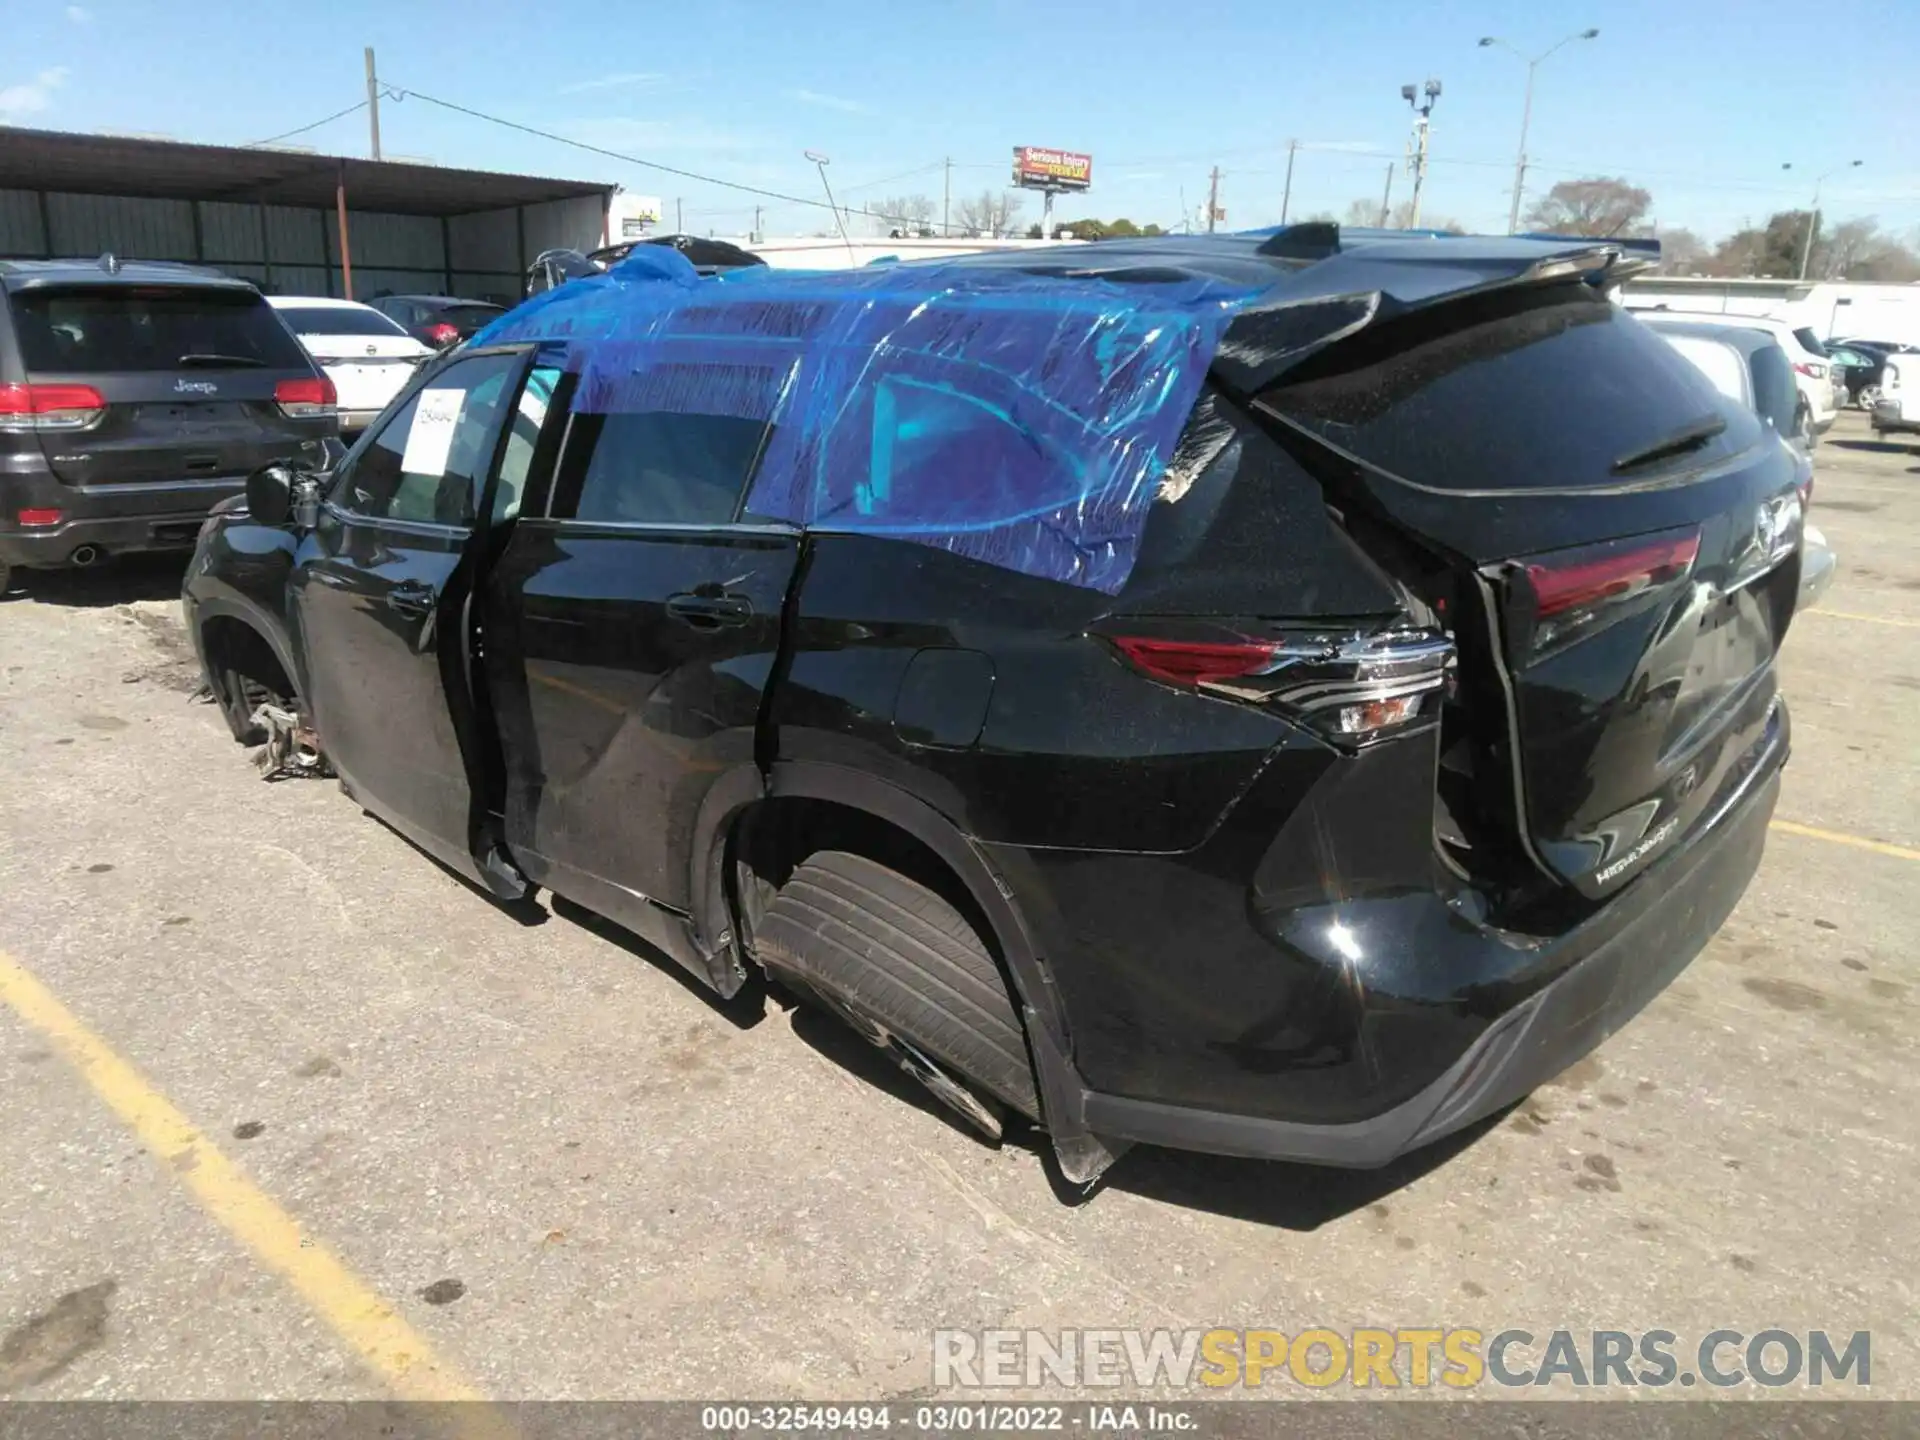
column 1016, row 418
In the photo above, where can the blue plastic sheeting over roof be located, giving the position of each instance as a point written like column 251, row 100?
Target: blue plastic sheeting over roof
column 1018, row 419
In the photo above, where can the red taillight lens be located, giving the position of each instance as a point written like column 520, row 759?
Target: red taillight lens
column 306, row 398
column 1559, row 588
column 50, row 407
column 442, row 334
column 1355, row 688
column 40, row 517
column 1195, row 662
column 1809, row 369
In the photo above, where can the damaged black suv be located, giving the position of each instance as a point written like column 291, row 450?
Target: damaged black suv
column 1282, row 695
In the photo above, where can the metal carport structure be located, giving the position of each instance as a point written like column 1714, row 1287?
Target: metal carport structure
column 294, row 222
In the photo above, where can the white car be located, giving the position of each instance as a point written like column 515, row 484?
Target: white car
column 1896, row 409
column 1809, row 369
column 367, row 356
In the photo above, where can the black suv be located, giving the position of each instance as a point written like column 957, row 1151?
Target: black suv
column 1277, row 696
column 135, row 395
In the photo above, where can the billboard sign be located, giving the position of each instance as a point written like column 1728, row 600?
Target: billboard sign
column 1038, row 169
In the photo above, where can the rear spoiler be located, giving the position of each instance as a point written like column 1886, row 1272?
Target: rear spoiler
column 1351, row 278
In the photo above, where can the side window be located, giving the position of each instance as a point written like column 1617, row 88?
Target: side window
column 914, row 456
column 678, row 445
column 523, row 436
column 429, row 460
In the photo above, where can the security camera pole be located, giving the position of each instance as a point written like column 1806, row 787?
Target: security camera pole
column 1526, row 113
column 1417, row 142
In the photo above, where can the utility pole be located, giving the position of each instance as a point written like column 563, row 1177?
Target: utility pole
column 1286, row 195
column 679, row 216
column 1526, row 112
column 1417, row 142
column 1386, row 197
column 1213, row 198
column 1813, row 215
column 946, row 198
column 373, row 103
column 756, row 224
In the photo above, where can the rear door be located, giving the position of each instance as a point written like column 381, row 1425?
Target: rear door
column 632, row 633
column 1614, row 543
column 379, row 599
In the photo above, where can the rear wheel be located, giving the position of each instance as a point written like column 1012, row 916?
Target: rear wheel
column 894, row 953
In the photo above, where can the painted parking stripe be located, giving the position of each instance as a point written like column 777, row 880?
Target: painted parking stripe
column 365, row 1322
column 1853, row 615
column 1839, row 837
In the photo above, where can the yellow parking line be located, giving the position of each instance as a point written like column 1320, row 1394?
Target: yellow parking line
column 1851, row 615
column 1836, row 837
column 367, row 1324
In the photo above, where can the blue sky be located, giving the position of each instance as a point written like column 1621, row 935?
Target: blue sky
column 1701, row 103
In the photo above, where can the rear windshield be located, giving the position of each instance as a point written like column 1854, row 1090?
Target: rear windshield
column 1541, row 391
column 336, row 320
column 1810, row 340
column 83, row 330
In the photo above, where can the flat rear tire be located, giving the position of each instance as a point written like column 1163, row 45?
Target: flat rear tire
column 890, row 948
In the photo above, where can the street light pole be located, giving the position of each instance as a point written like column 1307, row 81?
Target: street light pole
column 821, row 162
column 1813, row 215
column 1526, row 113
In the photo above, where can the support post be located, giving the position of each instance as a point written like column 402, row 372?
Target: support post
column 346, row 251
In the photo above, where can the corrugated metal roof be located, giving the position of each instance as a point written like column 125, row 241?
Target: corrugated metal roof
column 58, row 161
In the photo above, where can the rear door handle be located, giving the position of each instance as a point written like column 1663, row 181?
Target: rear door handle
column 709, row 612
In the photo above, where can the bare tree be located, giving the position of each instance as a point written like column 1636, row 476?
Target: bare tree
column 1598, row 205
column 909, row 214
column 989, row 214
column 1400, row 217
column 1860, row 250
column 1681, row 252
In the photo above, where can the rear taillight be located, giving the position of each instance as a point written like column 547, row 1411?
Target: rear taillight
column 1562, row 586
column 1571, row 594
column 39, row 518
column 1351, row 687
column 442, row 333
column 1809, row 369
column 306, row 399
column 50, row 407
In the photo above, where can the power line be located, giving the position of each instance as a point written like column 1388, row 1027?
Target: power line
column 395, row 92
column 357, row 105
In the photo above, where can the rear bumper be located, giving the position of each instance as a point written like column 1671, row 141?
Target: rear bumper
column 1534, row 1009
column 114, row 519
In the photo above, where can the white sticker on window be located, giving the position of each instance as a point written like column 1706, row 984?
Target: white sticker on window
column 429, row 442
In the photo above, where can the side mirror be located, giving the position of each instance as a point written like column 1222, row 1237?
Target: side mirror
column 270, row 495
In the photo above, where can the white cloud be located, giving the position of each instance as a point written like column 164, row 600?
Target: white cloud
column 32, row 97
column 827, row 102
column 620, row 81
column 79, row 15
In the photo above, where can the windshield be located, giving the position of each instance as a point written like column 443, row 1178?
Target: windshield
column 106, row 328
column 337, row 320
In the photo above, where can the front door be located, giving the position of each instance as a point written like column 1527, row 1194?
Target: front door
column 379, row 595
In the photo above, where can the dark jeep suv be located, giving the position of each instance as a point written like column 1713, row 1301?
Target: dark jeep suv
column 1284, row 696
column 135, row 395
